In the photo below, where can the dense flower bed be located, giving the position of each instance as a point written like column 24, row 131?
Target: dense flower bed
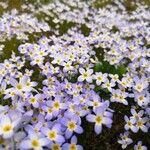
column 73, row 64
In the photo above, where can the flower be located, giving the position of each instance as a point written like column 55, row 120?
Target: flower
column 130, row 124
column 119, row 96
column 53, row 134
column 55, row 147
column 101, row 117
column 139, row 146
column 125, row 140
column 7, row 126
column 85, row 75
column 72, row 124
column 140, row 124
column 108, row 85
column 71, row 83
column 140, row 84
column 67, row 66
column 73, row 145
column 33, row 142
column 100, row 77
column 24, row 85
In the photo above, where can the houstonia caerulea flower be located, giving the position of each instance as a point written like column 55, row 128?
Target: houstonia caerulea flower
column 72, row 124
column 24, row 85
column 37, row 60
column 73, row 145
column 55, row 146
column 141, row 124
column 139, row 146
column 56, row 105
column 67, row 66
column 142, row 98
column 136, row 116
column 140, row 121
column 130, row 124
column 7, row 126
column 34, row 127
column 140, row 84
column 58, row 59
column 95, row 102
column 119, row 96
column 34, row 100
column 33, row 141
column 85, row 75
column 53, row 134
column 108, row 85
column 101, row 117
column 136, row 121
column 100, row 77
column 114, row 77
column 125, row 140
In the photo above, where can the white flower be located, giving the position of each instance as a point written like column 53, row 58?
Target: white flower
column 99, row 77
column 130, row 124
column 7, row 126
column 108, row 85
column 125, row 140
column 34, row 142
column 85, row 75
column 139, row 146
column 67, row 66
column 24, row 85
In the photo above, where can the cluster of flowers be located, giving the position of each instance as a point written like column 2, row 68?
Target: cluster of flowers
column 136, row 122
column 46, row 117
column 121, row 36
column 13, row 24
column 71, row 11
column 43, row 106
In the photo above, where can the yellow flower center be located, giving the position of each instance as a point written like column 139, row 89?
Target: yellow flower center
column 124, row 137
column 129, row 123
column 56, row 147
column 52, row 135
column 85, row 75
column 7, row 128
column 50, row 110
column 98, row 119
column 56, row 105
column 139, row 87
column 33, row 100
column 139, row 123
column 141, row 98
column 19, row 86
column 139, row 147
column 115, row 95
column 95, row 104
column 35, row 143
column 99, row 78
column 72, row 147
column 121, row 97
column 28, row 84
column 34, row 119
column 71, row 125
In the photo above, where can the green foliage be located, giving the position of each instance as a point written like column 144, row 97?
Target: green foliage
column 105, row 67
column 10, row 45
column 89, row 140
